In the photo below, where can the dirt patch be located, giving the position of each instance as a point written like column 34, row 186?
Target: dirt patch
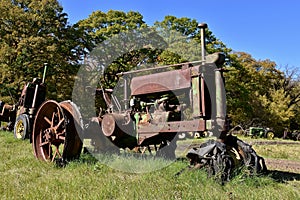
column 271, row 142
column 283, row 165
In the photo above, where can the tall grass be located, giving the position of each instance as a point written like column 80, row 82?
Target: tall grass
column 24, row 177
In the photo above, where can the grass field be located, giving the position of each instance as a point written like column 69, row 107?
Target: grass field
column 24, row 177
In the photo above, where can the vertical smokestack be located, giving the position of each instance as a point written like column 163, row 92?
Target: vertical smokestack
column 202, row 27
column 44, row 74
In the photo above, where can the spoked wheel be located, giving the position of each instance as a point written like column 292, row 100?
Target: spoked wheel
column 21, row 127
column 55, row 132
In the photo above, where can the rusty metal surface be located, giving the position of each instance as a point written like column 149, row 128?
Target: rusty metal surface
column 109, row 125
column 155, row 133
column 160, row 82
column 171, row 127
column 72, row 109
column 54, row 133
column 7, row 112
column 119, row 128
column 149, row 111
column 114, row 124
column 74, row 130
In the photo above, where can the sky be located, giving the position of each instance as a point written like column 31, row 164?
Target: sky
column 263, row 28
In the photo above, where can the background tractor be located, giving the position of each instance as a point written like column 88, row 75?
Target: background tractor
column 254, row 130
column 20, row 116
column 259, row 132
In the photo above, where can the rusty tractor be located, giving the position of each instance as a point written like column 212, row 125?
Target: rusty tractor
column 20, row 116
column 156, row 104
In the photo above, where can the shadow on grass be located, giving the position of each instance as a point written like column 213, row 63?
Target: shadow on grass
column 282, row 176
column 87, row 157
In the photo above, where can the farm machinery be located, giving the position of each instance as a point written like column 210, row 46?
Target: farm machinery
column 253, row 132
column 156, row 105
column 20, row 116
column 292, row 135
column 147, row 111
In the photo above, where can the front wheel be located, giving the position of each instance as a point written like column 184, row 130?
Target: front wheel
column 21, row 127
column 270, row 135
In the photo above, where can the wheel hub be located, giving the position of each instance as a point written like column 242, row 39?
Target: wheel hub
column 20, row 129
column 49, row 134
column 52, row 136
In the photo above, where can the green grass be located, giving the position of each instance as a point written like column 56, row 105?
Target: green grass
column 289, row 152
column 24, row 177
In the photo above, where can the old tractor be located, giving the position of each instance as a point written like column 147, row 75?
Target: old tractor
column 253, row 132
column 20, row 116
column 156, row 104
column 259, row 132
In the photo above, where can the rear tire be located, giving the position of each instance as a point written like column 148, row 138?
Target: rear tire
column 56, row 132
column 21, row 127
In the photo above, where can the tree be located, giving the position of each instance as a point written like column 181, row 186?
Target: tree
column 120, row 34
column 258, row 90
column 102, row 26
column 33, row 33
column 184, row 38
column 291, row 87
column 277, row 112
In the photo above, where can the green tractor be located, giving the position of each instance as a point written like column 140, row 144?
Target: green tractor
column 253, row 131
column 258, row 132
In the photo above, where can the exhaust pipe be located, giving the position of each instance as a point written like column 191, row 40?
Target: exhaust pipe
column 44, row 74
column 202, row 27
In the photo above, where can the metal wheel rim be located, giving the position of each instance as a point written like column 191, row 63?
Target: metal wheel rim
column 56, row 132
column 270, row 135
column 19, row 129
column 49, row 132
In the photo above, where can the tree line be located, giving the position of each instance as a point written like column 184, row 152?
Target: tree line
column 36, row 32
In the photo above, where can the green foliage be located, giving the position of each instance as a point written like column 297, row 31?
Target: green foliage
column 184, row 37
column 33, row 33
column 119, row 42
column 277, row 108
column 36, row 32
column 101, row 26
column 258, row 90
